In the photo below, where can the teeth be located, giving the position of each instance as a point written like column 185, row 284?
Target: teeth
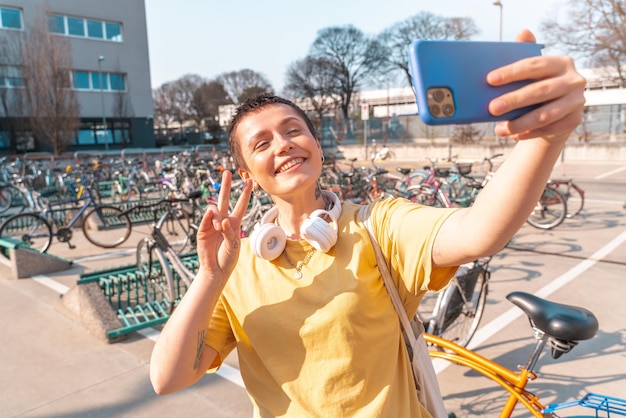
column 290, row 164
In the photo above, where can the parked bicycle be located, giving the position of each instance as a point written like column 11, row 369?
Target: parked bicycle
column 555, row 325
column 157, row 254
column 104, row 226
column 573, row 193
column 455, row 313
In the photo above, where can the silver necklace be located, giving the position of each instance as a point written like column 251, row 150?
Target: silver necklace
column 298, row 274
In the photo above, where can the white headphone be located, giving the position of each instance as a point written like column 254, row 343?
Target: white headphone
column 268, row 240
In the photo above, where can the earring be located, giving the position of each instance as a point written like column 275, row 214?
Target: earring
column 323, row 158
column 256, row 189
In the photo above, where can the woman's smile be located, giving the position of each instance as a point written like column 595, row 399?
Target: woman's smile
column 289, row 164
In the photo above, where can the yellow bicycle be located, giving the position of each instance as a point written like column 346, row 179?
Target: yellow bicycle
column 556, row 325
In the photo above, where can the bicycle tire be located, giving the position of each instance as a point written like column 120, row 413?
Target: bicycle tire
column 550, row 210
column 106, row 227
column 145, row 258
column 6, row 198
column 28, row 228
column 464, row 306
column 425, row 195
column 169, row 286
column 575, row 197
column 177, row 230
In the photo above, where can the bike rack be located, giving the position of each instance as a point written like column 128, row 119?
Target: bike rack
column 116, row 302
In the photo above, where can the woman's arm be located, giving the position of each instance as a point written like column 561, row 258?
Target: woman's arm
column 506, row 202
column 180, row 357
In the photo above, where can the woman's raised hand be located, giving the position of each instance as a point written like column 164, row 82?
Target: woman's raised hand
column 558, row 87
column 219, row 238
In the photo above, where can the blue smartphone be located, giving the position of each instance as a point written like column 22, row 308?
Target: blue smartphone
column 449, row 79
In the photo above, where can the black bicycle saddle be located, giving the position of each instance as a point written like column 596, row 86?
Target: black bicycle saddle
column 564, row 322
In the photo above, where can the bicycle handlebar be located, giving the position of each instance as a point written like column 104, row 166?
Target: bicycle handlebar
column 169, row 200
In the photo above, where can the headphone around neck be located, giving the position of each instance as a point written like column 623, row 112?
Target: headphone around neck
column 268, row 240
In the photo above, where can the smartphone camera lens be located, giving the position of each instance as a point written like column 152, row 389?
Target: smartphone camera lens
column 438, row 96
column 448, row 109
column 435, row 110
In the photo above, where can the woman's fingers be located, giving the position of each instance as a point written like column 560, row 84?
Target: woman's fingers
column 525, row 36
column 244, row 199
column 559, row 92
column 223, row 198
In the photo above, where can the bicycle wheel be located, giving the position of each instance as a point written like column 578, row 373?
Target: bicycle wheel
column 550, row 211
column 574, row 196
column 425, row 195
column 464, row 306
column 106, row 227
column 28, row 228
column 177, row 230
column 6, row 198
column 166, row 280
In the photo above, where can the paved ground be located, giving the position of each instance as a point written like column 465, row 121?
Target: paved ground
column 50, row 366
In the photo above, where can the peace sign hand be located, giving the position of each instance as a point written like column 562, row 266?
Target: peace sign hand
column 219, row 239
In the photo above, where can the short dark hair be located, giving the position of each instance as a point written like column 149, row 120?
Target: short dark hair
column 254, row 104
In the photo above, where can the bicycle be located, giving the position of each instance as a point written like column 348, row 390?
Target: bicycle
column 550, row 211
column 457, row 311
column 104, row 226
column 554, row 324
column 574, row 195
column 156, row 256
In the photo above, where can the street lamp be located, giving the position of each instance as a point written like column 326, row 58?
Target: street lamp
column 499, row 4
column 104, row 119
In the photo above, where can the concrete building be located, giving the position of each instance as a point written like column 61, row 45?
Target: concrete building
column 110, row 70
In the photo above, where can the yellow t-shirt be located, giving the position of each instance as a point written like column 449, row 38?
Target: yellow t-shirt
column 330, row 343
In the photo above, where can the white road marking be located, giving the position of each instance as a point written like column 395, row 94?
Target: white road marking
column 50, row 283
column 610, row 173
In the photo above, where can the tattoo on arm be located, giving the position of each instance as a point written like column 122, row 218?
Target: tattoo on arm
column 200, row 349
column 235, row 243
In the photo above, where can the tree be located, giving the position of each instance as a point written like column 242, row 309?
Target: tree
column 182, row 92
column 208, row 98
column 163, row 107
column 243, row 83
column 354, row 58
column 314, row 80
column 51, row 103
column 425, row 25
column 12, row 107
column 594, row 30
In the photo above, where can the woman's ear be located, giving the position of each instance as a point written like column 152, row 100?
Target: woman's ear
column 243, row 173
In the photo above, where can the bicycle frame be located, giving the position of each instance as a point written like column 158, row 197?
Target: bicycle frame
column 563, row 326
column 513, row 382
column 49, row 210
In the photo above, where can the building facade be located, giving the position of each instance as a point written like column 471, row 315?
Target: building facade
column 109, row 74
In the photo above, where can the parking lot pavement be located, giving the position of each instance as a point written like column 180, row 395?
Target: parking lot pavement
column 52, row 367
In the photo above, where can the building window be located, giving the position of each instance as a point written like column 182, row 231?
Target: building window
column 113, row 32
column 11, row 77
column 91, row 132
column 10, row 18
column 117, row 82
column 5, row 141
column 81, row 80
column 85, row 28
column 90, row 80
column 75, row 26
column 94, row 29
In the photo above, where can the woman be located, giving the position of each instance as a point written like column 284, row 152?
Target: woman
column 302, row 299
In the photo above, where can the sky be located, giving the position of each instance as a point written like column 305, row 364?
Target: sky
column 210, row 37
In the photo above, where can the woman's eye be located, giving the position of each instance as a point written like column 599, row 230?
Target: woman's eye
column 260, row 145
